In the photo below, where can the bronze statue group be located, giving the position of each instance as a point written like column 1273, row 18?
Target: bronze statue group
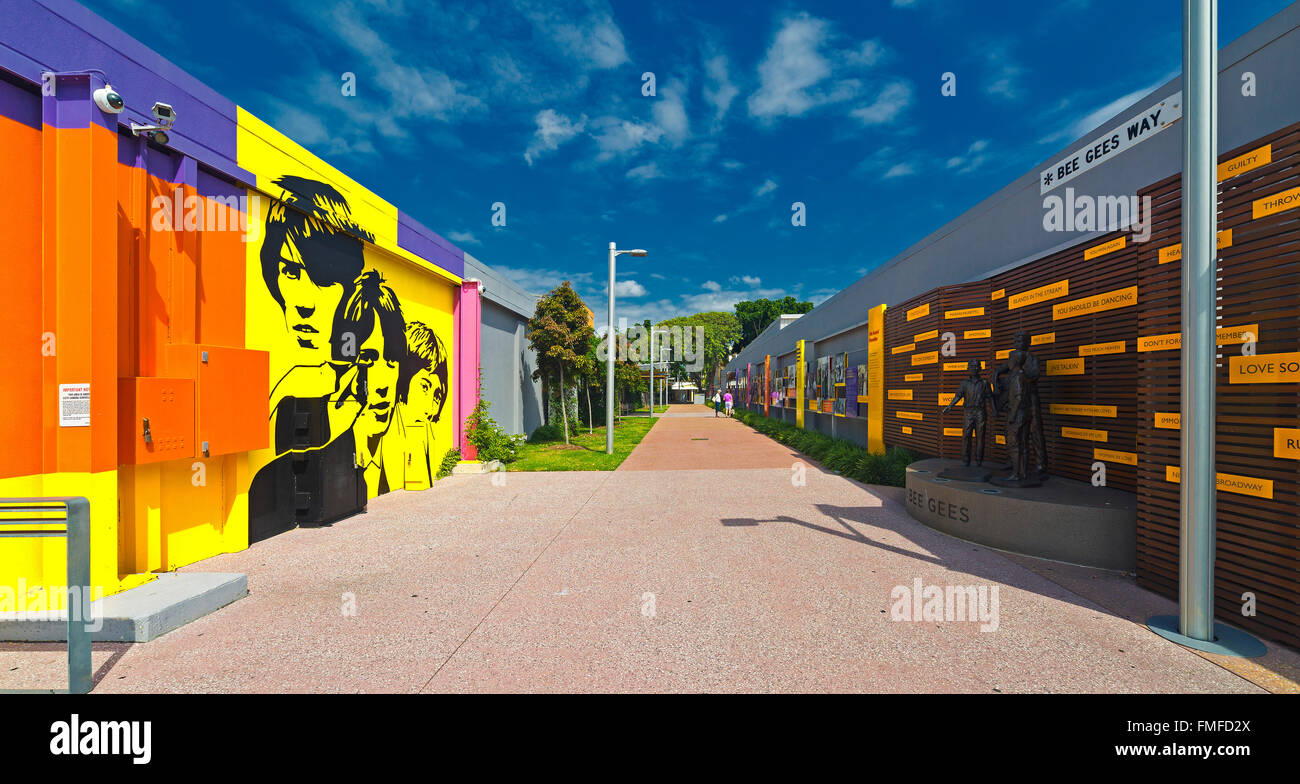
column 1012, row 392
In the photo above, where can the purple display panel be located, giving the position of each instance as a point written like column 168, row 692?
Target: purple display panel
column 851, row 391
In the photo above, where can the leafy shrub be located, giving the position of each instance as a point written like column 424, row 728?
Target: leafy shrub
column 449, row 462
column 489, row 439
column 836, row 454
column 547, row 433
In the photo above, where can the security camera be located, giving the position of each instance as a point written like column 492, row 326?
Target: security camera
column 109, row 100
column 164, row 114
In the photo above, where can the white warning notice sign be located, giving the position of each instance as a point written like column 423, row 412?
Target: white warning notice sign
column 74, row 405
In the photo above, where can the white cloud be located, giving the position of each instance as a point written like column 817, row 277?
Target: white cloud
column 711, row 285
column 645, row 172
column 553, row 130
column 904, row 3
column 974, row 158
column 720, row 218
column 540, row 281
column 670, row 113
column 792, row 66
column 719, row 91
column 615, row 136
column 748, row 280
column 465, row 237
column 587, row 35
column 767, row 187
column 889, row 104
column 628, row 288
column 900, row 170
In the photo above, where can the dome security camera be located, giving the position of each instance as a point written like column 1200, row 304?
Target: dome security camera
column 109, row 100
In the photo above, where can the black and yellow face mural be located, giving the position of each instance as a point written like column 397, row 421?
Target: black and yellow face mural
column 360, row 373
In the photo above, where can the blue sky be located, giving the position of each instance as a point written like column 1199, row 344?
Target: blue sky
column 539, row 104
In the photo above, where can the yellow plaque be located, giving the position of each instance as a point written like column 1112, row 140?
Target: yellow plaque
column 928, row 358
column 1113, row 456
column 1065, row 367
column 1265, row 369
column 1286, row 442
column 914, row 377
column 1004, row 353
column 1043, row 339
column 951, row 366
column 1254, row 159
column 907, row 429
column 864, row 399
column 1098, row 349
column 1172, row 340
column 1226, row 335
column 1230, row 483
column 1111, row 300
column 999, row 294
column 952, row 431
column 977, row 334
column 1084, row 434
column 963, row 313
column 900, row 394
column 1175, row 252
column 1071, row 409
column 1104, row 248
column 1165, row 421
column 1278, row 202
column 903, row 349
column 946, row 397
column 1000, row 439
column 1051, row 291
column 918, row 312
column 934, row 333
column 909, row 415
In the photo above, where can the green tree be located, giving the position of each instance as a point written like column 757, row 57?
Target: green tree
column 755, row 316
column 559, row 333
column 721, row 332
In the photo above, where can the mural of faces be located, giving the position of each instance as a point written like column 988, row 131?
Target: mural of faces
column 344, row 317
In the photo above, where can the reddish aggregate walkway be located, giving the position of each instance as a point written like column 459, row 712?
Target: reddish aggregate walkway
column 689, row 437
column 732, row 579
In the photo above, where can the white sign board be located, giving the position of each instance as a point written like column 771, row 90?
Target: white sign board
column 74, row 405
column 1108, row 146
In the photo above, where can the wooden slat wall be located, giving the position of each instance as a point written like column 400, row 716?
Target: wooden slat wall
column 1106, row 380
column 901, row 427
column 1258, row 538
column 966, row 310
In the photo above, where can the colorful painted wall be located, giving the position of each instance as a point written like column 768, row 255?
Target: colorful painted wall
column 215, row 340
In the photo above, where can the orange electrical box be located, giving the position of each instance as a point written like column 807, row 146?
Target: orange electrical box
column 157, row 421
column 231, row 389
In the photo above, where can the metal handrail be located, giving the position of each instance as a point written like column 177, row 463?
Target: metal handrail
column 76, row 528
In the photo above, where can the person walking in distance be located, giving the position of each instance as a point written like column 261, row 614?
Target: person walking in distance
column 727, row 401
column 717, row 403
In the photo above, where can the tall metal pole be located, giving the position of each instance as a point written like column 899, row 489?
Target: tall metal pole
column 609, row 362
column 652, row 372
column 1200, row 202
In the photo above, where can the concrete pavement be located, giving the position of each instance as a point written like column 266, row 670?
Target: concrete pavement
column 703, row 578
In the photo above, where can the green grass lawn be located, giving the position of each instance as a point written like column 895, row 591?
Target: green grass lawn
column 586, row 452
column 646, row 410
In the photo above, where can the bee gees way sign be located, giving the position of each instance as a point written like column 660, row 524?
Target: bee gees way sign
column 1110, row 145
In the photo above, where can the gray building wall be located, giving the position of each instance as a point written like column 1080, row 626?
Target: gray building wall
column 1006, row 229
column 506, row 362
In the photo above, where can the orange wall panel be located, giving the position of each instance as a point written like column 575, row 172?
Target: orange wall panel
column 20, row 226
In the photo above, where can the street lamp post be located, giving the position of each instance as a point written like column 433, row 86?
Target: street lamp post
column 611, row 350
